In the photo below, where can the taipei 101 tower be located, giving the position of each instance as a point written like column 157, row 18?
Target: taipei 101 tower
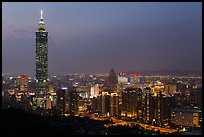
column 41, row 82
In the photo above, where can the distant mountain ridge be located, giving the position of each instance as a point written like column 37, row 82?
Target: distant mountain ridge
column 169, row 72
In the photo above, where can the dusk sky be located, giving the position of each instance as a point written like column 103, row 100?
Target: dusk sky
column 94, row 37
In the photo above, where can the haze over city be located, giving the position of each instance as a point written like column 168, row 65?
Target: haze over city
column 94, row 37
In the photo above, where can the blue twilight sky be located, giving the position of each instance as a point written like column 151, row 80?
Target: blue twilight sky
column 94, row 37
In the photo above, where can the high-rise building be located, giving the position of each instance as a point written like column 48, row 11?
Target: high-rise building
column 67, row 101
column 105, row 103
column 169, row 89
column 135, row 79
column 96, row 104
column 181, row 88
column 21, row 83
column 112, row 80
column 41, row 82
column 157, row 107
column 61, row 101
column 157, row 87
column 197, row 97
column 122, row 84
column 146, row 98
column 166, row 104
column 148, row 105
column 114, row 104
column 53, row 98
column 131, row 102
column 95, row 91
column 72, row 101
column 122, row 78
column 92, row 92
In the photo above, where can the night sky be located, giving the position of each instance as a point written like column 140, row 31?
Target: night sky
column 94, row 37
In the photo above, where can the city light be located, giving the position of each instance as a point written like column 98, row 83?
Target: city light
column 131, row 101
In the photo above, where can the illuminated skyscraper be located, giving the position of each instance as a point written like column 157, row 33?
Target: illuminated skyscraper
column 96, row 104
column 131, row 102
column 67, row 101
column 95, row 91
column 105, row 103
column 157, row 107
column 72, row 101
column 112, row 80
column 114, row 104
column 41, row 60
column 148, row 104
column 62, row 106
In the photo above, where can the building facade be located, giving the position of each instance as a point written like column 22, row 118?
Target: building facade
column 185, row 117
column 41, row 82
column 114, row 104
column 135, row 79
column 169, row 89
column 61, row 102
column 131, row 102
column 67, row 101
column 112, row 80
column 122, row 78
column 21, row 83
column 95, row 91
column 105, row 103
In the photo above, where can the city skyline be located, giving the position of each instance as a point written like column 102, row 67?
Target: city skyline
column 94, row 37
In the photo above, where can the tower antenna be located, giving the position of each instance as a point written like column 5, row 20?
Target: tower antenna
column 41, row 11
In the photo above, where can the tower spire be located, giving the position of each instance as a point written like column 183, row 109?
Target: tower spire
column 41, row 23
column 41, row 12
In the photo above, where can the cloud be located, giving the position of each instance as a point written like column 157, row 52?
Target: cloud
column 19, row 31
column 12, row 32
